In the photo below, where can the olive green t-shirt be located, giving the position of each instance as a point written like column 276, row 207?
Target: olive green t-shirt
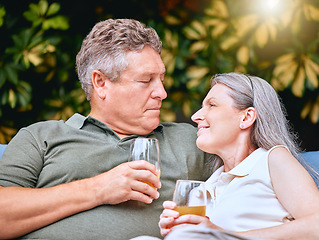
column 49, row 153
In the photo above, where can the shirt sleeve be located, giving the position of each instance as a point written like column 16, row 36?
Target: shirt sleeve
column 21, row 162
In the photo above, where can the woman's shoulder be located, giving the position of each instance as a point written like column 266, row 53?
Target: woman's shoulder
column 279, row 157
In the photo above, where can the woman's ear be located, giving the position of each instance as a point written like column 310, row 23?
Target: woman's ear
column 99, row 83
column 248, row 118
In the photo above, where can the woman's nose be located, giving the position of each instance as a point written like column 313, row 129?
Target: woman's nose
column 197, row 116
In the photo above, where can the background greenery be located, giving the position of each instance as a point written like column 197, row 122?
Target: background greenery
column 275, row 40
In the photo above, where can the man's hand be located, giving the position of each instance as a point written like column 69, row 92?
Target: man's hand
column 20, row 214
column 124, row 183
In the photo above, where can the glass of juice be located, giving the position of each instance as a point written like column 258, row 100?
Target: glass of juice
column 146, row 149
column 190, row 197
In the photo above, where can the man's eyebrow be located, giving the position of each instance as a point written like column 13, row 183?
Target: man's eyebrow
column 147, row 74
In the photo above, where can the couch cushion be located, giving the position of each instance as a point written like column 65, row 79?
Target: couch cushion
column 2, row 147
column 312, row 158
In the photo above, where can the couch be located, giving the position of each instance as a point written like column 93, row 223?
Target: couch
column 2, row 148
column 311, row 157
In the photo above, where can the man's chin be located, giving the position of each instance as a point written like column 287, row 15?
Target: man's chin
column 149, row 126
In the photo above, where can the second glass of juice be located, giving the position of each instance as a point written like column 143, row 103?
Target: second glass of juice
column 190, row 197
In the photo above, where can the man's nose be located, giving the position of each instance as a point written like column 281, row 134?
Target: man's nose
column 159, row 90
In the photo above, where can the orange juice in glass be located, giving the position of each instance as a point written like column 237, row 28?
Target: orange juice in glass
column 146, row 149
column 190, row 197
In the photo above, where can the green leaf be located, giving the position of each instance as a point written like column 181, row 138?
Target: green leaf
column 53, row 9
column 43, row 7
column 63, row 75
column 54, row 40
column 4, row 98
column 12, row 98
column 57, row 22
column 31, row 16
column 47, row 24
column 180, row 63
column 35, row 40
column 17, row 57
column 18, row 41
column 61, row 22
column 2, row 14
column 34, row 8
column 26, row 36
column 2, row 77
column 37, row 22
column 24, row 93
column 12, row 73
column 25, row 62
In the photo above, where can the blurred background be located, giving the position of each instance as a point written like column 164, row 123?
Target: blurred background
column 277, row 40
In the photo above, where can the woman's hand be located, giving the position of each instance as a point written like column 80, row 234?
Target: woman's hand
column 171, row 219
column 167, row 218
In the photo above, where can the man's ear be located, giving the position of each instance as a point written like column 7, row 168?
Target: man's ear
column 248, row 118
column 99, row 83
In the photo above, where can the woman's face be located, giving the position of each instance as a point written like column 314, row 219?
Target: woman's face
column 218, row 121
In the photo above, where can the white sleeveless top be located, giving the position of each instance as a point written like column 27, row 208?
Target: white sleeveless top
column 243, row 198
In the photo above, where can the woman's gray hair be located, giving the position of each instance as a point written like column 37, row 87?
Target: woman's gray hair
column 271, row 127
column 105, row 48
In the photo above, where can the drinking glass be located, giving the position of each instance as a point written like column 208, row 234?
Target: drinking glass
column 190, row 197
column 146, row 149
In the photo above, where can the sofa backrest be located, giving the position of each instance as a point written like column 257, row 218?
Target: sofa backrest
column 2, row 148
column 311, row 157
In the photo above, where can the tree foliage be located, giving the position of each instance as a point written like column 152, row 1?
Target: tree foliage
column 276, row 40
column 34, row 69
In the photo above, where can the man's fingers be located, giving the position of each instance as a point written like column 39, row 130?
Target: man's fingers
column 146, row 172
column 141, row 197
column 131, row 179
column 143, row 165
column 145, row 188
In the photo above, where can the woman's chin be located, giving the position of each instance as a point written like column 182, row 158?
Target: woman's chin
column 201, row 145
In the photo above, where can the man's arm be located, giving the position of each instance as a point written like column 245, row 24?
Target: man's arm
column 23, row 210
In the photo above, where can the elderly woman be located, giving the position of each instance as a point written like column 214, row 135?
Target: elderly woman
column 261, row 190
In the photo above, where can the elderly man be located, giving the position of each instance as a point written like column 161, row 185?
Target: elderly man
column 71, row 179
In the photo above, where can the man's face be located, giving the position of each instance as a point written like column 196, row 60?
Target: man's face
column 133, row 102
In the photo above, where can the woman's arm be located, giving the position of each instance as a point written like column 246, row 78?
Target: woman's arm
column 295, row 190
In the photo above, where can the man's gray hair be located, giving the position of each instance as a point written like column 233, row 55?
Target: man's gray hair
column 105, row 48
